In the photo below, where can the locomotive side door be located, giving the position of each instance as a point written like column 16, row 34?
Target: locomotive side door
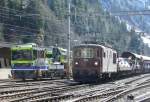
column 100, row 57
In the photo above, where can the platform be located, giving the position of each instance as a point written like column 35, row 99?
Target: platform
column 4, row 73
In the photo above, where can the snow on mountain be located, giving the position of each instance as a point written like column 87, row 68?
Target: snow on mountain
column 140, row 23
column 146, row 40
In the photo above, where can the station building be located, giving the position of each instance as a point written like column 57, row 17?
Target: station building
column 5, row 60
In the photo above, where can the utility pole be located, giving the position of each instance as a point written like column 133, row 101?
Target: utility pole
column 69, row 33
column 87, row 28
column 142, row 17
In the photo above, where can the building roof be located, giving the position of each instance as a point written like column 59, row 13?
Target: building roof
column 134, row 55
column 5, row 44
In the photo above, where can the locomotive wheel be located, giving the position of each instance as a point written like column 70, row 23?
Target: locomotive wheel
column 52, row 75
column 23, row 79
column 35, row 79
column 62, row 77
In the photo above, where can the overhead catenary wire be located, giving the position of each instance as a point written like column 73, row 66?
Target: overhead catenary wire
column 94, row 14
column 7, row 18
column 17, row 42
column 20, row 27
column 25, row 35
column 16, row 26
column 16, row 15
column 30, row 15
column 58, row 21
column 8, row 14
column 46, row 18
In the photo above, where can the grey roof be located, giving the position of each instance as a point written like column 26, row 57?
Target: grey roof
column 5, row 44
column 134, row 55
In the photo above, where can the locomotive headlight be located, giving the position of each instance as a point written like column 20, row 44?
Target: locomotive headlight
column 76, row 63
column 96, row 63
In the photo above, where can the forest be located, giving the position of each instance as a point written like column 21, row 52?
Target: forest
column 45, row 22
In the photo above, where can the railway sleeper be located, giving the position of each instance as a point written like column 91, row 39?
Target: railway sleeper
column 27, row 93
column 33, row 96
column 15, row 95
column 46, row 94
column 16, row 90
column 53, row 99
column 95, row 97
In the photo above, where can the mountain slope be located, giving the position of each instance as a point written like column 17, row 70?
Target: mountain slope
column 140, row 21
column 46, row 23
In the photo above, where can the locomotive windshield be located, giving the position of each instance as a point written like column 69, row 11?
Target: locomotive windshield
column 22, row 55
column 56, row 54
column 84, row 53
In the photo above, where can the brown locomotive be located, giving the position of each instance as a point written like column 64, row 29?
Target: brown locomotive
column 92, row 62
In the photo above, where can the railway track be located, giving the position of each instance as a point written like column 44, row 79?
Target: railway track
column 46, row 93
column 62, row 92
column 95, row 94
column 33, row 88
column 143, row 98
column 27, row 84
column 30, row 87
column 80, row 95
column 125, row 92
column 121, row 85
column 134, row 84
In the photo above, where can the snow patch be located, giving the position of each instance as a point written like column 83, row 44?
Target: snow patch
column 146, row 40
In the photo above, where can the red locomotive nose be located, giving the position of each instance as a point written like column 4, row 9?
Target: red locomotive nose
column 86, row 63
column 87, row 75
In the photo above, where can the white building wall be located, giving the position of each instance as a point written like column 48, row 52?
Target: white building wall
column 5, row 73
column 5, row 70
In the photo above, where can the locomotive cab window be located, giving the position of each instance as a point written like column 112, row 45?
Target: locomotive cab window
column 21, row 55
column 77, row 53
column 104, row 54
column 34, row 54
column 87, row 53
column 114, row 58
column 84, row 53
